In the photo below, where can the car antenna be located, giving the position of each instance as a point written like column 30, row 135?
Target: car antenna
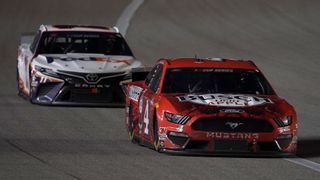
column 196, row 57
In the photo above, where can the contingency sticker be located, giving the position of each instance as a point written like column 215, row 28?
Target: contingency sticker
column 134, row 92
column 224, row 100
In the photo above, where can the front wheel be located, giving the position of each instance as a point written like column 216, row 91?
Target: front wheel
column 131, row 126
column 18, row 83
column 31, row 93
column 156, row 142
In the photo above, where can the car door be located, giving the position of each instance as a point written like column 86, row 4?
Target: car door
column 146, row 104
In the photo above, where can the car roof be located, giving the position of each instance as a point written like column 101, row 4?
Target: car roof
column 208, row 63
column 87, row 28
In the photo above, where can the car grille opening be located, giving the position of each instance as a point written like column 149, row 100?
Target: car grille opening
column 194, row 144
column 223, row 124
column 85, row 95
column 44, row 89
column 231, row 145
column 267, row 146
column 77, row 90
column 178, row 140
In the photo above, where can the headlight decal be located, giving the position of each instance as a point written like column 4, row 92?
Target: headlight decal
column 46, row 71
column 283, row 121
column 44, row 75
column 177, row 119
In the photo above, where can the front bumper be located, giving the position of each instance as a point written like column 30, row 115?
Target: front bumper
column 226, row 153
column 185, row 140
column 72, row 91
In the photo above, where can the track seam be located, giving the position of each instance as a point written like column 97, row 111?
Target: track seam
column 123, row 22
column 39, row 159
column 304, row 162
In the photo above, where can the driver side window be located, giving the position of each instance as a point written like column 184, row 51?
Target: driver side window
column 153, row 78
column 35, row 42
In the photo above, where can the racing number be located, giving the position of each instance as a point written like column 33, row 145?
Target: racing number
column 146, row 118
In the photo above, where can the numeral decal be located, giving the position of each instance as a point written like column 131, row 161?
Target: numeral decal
column 146, row 118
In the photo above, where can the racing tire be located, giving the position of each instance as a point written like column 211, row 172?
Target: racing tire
column 132, row 136
column 156, row 142
column 19, row 90
column 30, row 89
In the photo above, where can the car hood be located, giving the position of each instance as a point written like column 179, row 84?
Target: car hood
column 226, row 103
column 86, row 63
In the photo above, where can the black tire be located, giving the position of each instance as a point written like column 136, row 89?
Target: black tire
column 131, row 127
column 30, row 89
column 156, row 142
column 18, row 83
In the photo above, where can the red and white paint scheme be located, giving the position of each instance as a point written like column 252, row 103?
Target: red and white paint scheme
column 209, row 105
column 74, row 64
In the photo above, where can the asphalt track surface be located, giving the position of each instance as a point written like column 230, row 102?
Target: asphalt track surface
column 41, row 142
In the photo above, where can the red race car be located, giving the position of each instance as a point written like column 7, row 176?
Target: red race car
column 209, row 106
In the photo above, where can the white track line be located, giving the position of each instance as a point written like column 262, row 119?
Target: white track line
column 124, row 19
column 123, row 24
column 304, row 162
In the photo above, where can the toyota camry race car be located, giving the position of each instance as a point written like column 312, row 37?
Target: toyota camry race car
column 209, row 105
column 74, row 65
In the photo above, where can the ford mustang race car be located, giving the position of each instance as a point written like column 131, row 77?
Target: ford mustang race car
column 209, row 105
column 74, row 65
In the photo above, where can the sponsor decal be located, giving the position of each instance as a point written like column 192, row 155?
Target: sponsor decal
column 162, row 130
column 162, row 133
column 163, row 136
column 92, row 85
column 134, row 92
column 51, row 59
column 233, row 125
column 224, row 100
column 223, row 135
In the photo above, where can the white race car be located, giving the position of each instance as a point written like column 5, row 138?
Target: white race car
column 74, row 65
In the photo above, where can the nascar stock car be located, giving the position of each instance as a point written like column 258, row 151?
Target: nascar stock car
column 211, row 105
column 74, row 65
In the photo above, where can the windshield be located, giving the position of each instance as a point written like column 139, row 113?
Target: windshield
column 83, row 42
column 209, row 80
